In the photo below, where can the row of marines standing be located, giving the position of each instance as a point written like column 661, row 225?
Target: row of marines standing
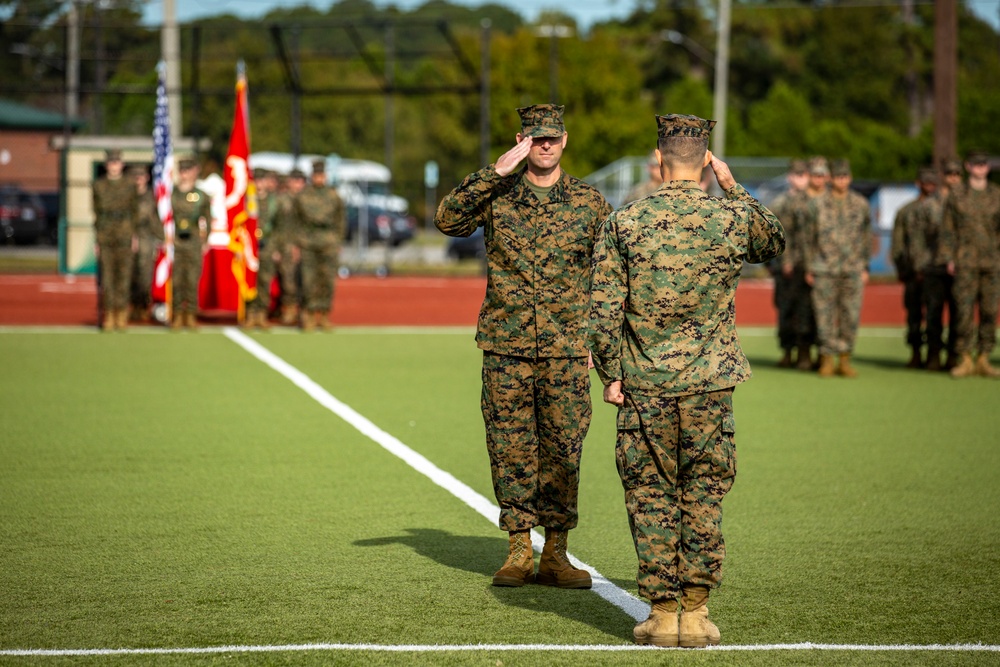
column 298, row 234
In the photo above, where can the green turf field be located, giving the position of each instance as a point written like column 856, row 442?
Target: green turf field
column 172, row 491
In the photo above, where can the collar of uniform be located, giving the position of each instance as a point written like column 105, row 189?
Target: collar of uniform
column 680, row 185
column 523, row 194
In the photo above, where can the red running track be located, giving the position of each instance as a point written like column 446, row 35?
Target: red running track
column 392, row 301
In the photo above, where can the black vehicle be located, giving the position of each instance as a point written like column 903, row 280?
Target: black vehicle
column 22, row 216
column 468, row 247
column 384, row 226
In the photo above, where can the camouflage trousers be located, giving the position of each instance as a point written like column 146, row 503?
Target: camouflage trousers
column 265, row 274
column 837, row 302
column 142, row 272
column 913, row 303
column 185, row 274
column 793, row 301
column 938, row 294
column 676, row 458
column 288, row 275
column 319, row 271
column 537, row 412
column 976, row 287
column 116, row 275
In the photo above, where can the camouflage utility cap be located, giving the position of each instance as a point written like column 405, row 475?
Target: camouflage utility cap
column 542, row 120
column 952, row 166
column 840, row 168
column 679, row 125
column 927, row 175
column 113, row 155
column 798, row 167
column 319, row 166
column 978, row 157
column 818, row 166
column 136, row 169
column 186, row 163
column 296, row 173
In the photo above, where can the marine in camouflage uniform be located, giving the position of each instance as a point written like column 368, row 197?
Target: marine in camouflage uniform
column 149, row 235
column 286, row 238
column 648, row 186
column 790, row 289
column 267, row 208
column 663, row 334
column 321, row 216
column 539, row 224
column 907, row 255
column 972, row 251
column 192, row 211
column 837, row 247
column 114, row 200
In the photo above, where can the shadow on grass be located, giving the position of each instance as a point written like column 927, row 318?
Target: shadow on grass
column 483, row 555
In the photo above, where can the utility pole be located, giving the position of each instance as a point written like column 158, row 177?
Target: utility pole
column 721, row 79
column 170, row 50
column 72, row 61
column 484, row 95
column 945, row 80
column 390, row 79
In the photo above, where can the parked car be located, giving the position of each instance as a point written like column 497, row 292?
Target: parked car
column 384, row 226
column 22, row 216
column 468, row 247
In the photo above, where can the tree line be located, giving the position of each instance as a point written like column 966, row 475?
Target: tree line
column 845, row 79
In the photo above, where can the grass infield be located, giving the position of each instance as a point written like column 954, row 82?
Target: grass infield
column 171, row 491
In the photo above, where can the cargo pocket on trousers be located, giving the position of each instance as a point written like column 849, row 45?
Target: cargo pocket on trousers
column 728, row 444
column 635, row 467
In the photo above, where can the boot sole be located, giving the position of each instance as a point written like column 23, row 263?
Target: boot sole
column 695, row 642
column 548, row 580
column 512, row 582
column 666, row 641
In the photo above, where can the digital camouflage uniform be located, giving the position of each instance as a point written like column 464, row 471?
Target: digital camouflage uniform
column 114, row 227
column 149, row 234
column 837, row 245
column 905, row 231
column 792, row 295
column 663, row 323
column 929, row 259
column 320, row 213
column 972, row 241
column 286, row 236
column 532, row 329
column 189, row 208
column 266, row 245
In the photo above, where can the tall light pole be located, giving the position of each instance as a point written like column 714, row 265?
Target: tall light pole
column 721, row 78
column 553, row 32
column 170, row 49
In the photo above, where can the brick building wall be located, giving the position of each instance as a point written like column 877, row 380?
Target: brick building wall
column 26, row 159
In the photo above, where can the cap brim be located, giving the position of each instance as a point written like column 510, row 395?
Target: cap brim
column 542, row 132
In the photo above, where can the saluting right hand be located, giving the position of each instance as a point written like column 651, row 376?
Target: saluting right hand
column 508, row 162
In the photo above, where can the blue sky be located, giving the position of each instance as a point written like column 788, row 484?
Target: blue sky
column 586, row 12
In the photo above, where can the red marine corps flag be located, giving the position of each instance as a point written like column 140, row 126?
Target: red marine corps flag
column 229, row 275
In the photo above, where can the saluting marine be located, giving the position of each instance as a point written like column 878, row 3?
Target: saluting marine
column 539, row 224
column 663, row 333
column 192, row 211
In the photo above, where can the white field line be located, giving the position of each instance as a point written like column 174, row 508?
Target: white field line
column 625, row 601
column 441, row 648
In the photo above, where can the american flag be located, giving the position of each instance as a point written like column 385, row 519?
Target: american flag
column 163, row 180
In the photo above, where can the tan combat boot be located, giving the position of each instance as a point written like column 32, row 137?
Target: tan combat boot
column 964, row 368
column 176, row 321
column 826, row 369
column 249, row 320
column 289, row 315
column 554, row 568
column 695, row 630
column 121, row 319
column 519, row 568
column 262, row 321
column 984, row 368
column 108, row 323
column 191, row 321
column 845, row 369
column 661, row 628
column 323, row 322
column 308, row 321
